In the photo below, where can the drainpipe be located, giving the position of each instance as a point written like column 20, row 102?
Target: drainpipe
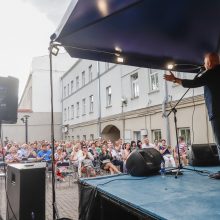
column 166, row 119
column 99, row 98
column 62, row 107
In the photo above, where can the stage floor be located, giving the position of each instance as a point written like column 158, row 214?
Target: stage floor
column 190, row 196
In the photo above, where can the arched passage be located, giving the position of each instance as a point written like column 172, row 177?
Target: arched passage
column 111, row 132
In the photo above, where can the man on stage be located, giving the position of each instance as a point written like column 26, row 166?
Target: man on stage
column 210, row 79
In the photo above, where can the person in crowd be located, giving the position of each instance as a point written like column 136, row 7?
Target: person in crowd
column 134, row 146
column 182, row 150
column 117, row 157
column 139, row 144
column 44, row 154
column 31, row 154
column 68, row 148
column 87, row 163
column 92, row 149
column 36, row 147
column 23, row 151
column 146, row 143
column 2, row 152
column 156, row 144
column 12, row 156
column 210, row 80
column 106, row 164
column 167, row 153
column 98, row 146
column 76, row 157
column 59, row 155
column 125, row 154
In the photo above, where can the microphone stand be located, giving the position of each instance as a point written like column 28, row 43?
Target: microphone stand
column 174, row 111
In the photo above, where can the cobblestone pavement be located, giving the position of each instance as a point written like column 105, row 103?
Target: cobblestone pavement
column 66, row 198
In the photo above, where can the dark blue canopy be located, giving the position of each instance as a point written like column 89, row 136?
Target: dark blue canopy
column 147, row 33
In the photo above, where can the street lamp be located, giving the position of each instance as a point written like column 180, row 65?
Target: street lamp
column 25, row 121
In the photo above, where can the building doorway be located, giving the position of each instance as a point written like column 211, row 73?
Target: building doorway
column 111, row 132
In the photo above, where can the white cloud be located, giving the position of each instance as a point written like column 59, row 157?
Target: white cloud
column 25, row 33
column 53, row 9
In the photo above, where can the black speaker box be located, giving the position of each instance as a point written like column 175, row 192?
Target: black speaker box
column 144, row 162
column 26, row 191
column 8, row 99
column 203, row 155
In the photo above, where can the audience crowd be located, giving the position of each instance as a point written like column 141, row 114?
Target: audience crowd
column 88, row 158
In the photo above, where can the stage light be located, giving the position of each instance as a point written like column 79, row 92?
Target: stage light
column 170, row 66
column 120, row 59
column 118, row 49
column 103, row 7
column 55, row 50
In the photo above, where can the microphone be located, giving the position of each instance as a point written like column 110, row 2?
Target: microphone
column 202, row 70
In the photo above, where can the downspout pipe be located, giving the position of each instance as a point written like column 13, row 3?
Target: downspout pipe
column 166, row 119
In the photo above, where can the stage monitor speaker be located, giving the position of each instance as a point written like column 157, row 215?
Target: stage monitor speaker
column 144, row 162
column 8, row 99
column 203, row 155
column 26, row 191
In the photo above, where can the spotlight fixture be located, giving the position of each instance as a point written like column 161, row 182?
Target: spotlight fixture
column 120, row 59
column 55, row 50
column 118, row 49
column 170, row 66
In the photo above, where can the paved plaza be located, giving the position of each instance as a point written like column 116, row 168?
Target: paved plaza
column 67, row 200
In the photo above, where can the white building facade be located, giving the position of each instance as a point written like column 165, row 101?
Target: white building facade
column 36, row 101
column 112, row 101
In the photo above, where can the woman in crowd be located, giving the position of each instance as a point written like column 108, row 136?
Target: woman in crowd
column 139, row 144
column 125, row 153
column 167, row 153
column 87, row 162
column 59, row 157
column 30, row 152
column 134, row 146
column 76, row 157
column 12, row 156
column 106, row 164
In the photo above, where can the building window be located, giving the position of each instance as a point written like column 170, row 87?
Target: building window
column 90, row 73
column 77, row 82
column 83, row 106
column 91, row 137
column 64, row 114
column 185, row 133
column 84, row 137
column 108, row 96
column 68, row 114
column 134, row 85
column 137, row 135
column 106, row 66
column 154, row 81
column 77, row 109
column 72, row 111
column 156, row 134
column 91, row 103
column 64, row 92
column 73, row 138
column 72, row 86
column 78, row 137
column 68, row 89
column 83, row 78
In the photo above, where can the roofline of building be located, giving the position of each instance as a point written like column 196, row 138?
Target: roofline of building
column 74, row 65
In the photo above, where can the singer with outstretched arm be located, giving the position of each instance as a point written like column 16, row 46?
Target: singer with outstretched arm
column 210, row 79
